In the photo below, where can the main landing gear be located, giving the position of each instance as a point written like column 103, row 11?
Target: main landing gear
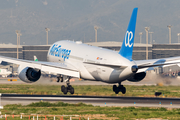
column 118, row 89
column 67, row 89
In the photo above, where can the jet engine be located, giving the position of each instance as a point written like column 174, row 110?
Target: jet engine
column 137, row 77
column 28, row 74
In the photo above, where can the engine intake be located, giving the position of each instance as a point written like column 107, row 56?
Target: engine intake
column 33, row 75
column 28, row 74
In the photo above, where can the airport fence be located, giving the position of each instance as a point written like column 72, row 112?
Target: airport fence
column 43, row 117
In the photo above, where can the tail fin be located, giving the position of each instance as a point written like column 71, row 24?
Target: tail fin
column 127, row 46
column 35, row 58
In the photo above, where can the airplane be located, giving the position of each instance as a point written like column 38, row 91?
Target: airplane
column 5, row 72
column 74, row 59
column 35, row 58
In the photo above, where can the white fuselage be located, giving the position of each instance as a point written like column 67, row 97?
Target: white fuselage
column 79, row 55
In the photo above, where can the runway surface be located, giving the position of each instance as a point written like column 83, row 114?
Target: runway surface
column 94, row 100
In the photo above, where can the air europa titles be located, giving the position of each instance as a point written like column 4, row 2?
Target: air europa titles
column 57, row 51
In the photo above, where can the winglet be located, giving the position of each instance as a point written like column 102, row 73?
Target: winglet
column 127, row 45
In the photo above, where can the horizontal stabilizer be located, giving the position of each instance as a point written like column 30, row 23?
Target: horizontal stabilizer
column 157, row 65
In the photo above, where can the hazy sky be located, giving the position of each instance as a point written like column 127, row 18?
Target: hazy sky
column 75, row 19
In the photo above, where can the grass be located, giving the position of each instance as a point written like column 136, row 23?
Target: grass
column 93, row 112
column 102, row 90
column 84, row 110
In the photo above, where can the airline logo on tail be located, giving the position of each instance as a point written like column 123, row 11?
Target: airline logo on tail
column 128, row 38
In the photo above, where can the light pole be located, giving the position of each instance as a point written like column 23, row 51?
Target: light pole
column 47, row 29
column 151, row 37
column 95, row 28
column 169, row 26
column 140, row 35
column 178, row 37
column 18, row 42
column 147, row 29
column 19, row 38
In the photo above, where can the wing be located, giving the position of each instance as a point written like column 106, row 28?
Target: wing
column 50, row 67
column 145, row 65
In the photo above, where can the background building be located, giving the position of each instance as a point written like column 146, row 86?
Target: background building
column 165, row 50
column 10, row 50
column 155, row 51
column 40, row 51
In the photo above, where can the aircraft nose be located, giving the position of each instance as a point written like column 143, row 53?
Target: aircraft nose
column 134, row 68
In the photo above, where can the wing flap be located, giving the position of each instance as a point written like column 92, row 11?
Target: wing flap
column 62, row 71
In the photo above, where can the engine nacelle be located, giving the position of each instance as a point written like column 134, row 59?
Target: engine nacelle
column 28, row 74
column 137, row 77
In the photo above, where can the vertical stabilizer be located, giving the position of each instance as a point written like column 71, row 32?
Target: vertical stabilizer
column 128, row 42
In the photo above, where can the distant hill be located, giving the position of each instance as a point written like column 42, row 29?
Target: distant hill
column 75, row 19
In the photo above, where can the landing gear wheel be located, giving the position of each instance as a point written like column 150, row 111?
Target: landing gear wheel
column 117, row 90
column 65, row 90
column 61, row 79
column 62, row 88
column 114, row 88
column 72, row 90
column 123, row 90
column 58, row 79
column 69, row 87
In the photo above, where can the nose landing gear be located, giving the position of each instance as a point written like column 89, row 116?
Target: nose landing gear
column 118, row 89
column 60, row 78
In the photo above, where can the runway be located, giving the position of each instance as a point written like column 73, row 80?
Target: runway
column 94, row 100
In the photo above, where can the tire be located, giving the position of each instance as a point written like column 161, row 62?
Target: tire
column 58, row 79
column 65, row 90
column 116, row 91
column 114, row 88
column 61, row 79
column 69, row 86
column 123, row 90
column 62, row 88
column 72, row 90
